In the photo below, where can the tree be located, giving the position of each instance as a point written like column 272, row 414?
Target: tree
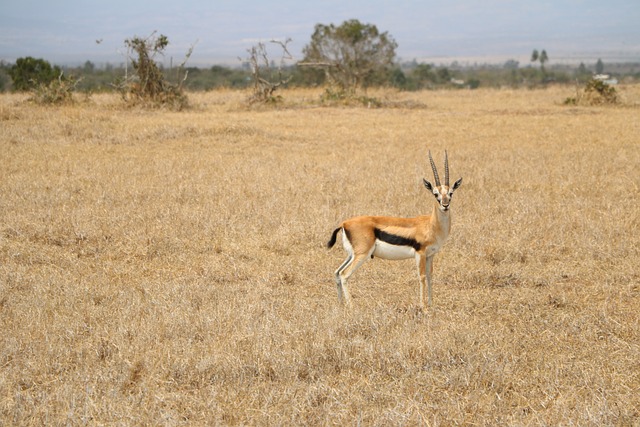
column 423, row 72
column 599, row 66
column 29, row 73
column 444, row 75
column 582, row 69
column 541, row 57
column 582, row 74
column 398, row 79
column 351, row 55
column 4, row 76
column 88, row 67
column 535, row 55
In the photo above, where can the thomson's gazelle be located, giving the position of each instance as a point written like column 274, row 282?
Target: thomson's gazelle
column 387, row 237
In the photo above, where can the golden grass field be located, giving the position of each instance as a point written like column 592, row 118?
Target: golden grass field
column 170, row 268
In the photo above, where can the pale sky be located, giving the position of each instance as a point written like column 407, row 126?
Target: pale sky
column 65, row 31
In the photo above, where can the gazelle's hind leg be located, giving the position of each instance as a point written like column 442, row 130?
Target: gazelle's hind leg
column 354, row 260
column 351, row 264
column 341, row 295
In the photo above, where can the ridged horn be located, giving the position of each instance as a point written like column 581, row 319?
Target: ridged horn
column 435, row 171
column 446, row 169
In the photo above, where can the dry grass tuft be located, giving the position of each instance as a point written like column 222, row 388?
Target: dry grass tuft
column 169, row 268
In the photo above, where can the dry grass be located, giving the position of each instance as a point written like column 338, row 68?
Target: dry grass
column 164, row 268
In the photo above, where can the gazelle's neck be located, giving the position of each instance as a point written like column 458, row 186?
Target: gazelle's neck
column 442, row 218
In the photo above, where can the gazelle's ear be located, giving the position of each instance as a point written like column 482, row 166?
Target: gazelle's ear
column 457, row 184
column 428, row 185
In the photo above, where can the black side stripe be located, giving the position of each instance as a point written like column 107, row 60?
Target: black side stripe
column 394, row 239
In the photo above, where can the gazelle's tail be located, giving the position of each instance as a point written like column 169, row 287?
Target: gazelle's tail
column 332, row 242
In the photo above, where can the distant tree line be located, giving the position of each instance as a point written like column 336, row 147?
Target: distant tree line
column 346, row 58
column 408, row 76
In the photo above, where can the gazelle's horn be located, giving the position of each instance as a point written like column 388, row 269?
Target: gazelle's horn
column 446, row 169
column 435, row 171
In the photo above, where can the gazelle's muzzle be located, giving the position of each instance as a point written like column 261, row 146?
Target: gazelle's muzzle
column 445, row 202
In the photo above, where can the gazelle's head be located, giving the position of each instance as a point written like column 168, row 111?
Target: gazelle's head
column 442, row 193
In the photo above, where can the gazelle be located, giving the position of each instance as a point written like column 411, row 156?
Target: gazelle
column 392, row 238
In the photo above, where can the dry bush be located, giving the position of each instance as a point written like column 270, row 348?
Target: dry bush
column 170, row 269
column 594, row 92
column 267, row 79
column 148, row 86
column 57, row 92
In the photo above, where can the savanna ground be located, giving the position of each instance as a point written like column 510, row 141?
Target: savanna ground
column 170, row 268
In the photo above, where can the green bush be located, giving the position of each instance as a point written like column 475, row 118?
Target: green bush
column 29, row 73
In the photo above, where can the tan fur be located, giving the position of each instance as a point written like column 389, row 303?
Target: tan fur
column 421, row 228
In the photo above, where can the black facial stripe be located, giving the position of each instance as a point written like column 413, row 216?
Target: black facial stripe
column 393, row 239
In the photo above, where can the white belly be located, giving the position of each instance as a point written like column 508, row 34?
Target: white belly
column 387, row 251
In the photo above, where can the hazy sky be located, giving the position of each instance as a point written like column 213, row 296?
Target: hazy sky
column 65, row 31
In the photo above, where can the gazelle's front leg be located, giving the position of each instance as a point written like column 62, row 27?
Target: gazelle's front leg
column 428, row 270
column 425, row 268
column 421, row 263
